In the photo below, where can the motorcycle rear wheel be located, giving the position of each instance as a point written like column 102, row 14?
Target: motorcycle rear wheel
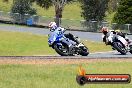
column 60, row 51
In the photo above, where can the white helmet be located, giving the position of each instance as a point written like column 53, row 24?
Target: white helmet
column 52, row 25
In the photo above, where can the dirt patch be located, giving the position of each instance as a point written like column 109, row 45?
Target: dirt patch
column 59, row 61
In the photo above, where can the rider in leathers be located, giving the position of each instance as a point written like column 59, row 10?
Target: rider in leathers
column 111, row 34
column 73, row 40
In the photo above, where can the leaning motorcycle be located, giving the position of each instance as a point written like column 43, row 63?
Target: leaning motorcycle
column 118, row 45
column 62, row 48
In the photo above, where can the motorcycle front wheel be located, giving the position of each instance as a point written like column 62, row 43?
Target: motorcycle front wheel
column 130, row 49
column 84, row 51
column 119, row 47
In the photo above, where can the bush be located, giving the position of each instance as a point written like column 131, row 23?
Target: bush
column 22, row 10
column 94, row 9
column 124, row 12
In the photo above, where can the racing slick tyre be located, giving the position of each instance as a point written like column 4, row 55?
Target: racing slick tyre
column 119, row 47
column 130, row 49
column 84, row 51
column 61, row 49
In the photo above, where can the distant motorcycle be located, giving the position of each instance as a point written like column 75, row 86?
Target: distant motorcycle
column 118, row 45
column 72, row 48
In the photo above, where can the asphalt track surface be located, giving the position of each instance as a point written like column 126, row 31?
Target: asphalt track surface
column 42, row 31
column 82, row 35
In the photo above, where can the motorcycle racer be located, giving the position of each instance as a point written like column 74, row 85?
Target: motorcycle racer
column 53, row 27
column 108, row 34
column 65, row 44
column 59, row 31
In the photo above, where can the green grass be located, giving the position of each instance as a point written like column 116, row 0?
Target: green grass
column 4, row 6
column 97, row 46
column 15, row 43
column 59, row 76
column 69, row 11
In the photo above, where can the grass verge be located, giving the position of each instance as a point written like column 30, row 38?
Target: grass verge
column 16, row 44
column 59, row 76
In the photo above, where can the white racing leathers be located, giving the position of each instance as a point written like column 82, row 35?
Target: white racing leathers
column 123, row 40
column 110, row 36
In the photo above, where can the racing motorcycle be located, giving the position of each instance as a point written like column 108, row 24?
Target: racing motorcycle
column 117, row 44
column 74, row 48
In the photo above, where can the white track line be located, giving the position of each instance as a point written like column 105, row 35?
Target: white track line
column 104, row 52
column 90, row 53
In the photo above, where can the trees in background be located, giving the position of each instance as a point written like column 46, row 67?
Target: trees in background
column 58, row 4
column 91, row 9
column 113, row 5
column 23, row 7
column 20, row 8
column 124, row 12
column 94, row 9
